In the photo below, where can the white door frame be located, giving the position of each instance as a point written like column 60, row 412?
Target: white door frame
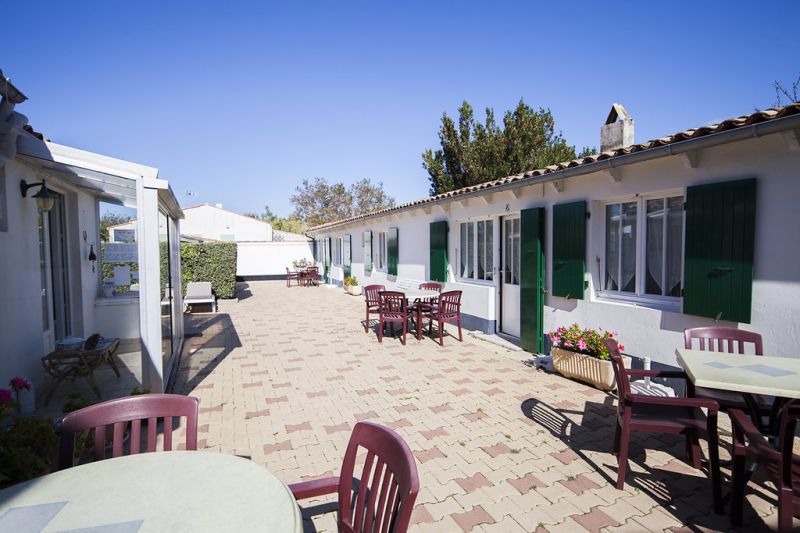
column 511, row 294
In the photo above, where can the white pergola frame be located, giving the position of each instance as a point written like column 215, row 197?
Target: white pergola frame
column 131, row 185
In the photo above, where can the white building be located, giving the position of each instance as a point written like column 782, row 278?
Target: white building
column 212, row 222
column 693, row 229
column 49, row 284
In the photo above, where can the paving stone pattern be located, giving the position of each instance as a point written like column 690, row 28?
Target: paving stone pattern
column 284, row 374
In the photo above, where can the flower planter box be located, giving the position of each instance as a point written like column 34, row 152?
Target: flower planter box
column 586, row 368
column 354, row 290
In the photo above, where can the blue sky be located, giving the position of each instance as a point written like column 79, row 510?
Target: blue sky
column 238, row 103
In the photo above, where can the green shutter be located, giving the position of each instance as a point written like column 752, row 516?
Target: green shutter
column 438, row 245
column 718, row 261
column 569, row 249
column 347, row 258
column 532, row 280
column 392, row 251
column 367, row 252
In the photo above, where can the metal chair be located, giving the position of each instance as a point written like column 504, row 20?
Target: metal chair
column 386, row 491
column 655, row 414
column 121, row 412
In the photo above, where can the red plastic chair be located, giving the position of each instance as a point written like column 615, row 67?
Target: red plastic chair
column 385, row 495
column 782, row 464
column 290, row 275
column 393, row 310
column 730, row 340
column 448, row 310
column 679, row 416
column 121, row 411
column 373, row 301
column 312, row 276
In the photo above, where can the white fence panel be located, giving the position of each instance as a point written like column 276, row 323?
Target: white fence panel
column 266, row 260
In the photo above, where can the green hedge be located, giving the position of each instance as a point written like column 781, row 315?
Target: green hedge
column 214, row 262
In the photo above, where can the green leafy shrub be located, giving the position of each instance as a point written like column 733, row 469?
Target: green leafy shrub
column 210, row 261
column 351, row 281
column 27, row 449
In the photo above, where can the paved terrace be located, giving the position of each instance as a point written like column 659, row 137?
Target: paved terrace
column 284, row 374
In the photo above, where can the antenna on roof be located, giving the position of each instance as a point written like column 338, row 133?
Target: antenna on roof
column 191, row 193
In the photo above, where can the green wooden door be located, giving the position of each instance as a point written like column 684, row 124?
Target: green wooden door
column 347, row 258
column 569, row 249
column 392, row 251
column 532, row 280
column 438, row 245
column 720, row 240
column 367, row 240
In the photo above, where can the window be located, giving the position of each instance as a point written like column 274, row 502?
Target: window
column 644, row 246
column 337, row 251
column 477, row 250
column 382, row 251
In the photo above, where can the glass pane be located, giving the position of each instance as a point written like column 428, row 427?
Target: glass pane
column 481, row 250
column 166, row 290
column 43, row 272
column 489, row 268
column 612, row 247
column 470, row 250
column 463, row 250
column 507, row 256
column 628, row 235
column 674, row 273
column 515, row 267
column 654, row 248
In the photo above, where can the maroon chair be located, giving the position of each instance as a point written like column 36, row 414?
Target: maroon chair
column 782, row 464
column 448, row 310
column 679, row 416
column 385, row 494
column 290, row 275
column 730, row 340
column 373, row 301
column 424, row 305
column 312, row 276
column 392, row 310
column 119, row 413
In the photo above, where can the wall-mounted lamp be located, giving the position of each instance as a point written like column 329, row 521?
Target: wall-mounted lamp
column 44, row 198
column 92, row 256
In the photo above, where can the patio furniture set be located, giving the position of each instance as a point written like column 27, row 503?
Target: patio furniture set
column 197, row 491
column 415, row 305
column 720, row 377
column 305, row 277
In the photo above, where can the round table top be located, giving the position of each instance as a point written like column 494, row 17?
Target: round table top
column 419, row 293
column 161, row 491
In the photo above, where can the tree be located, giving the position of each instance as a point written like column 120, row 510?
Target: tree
column 290, row 224
column 317, row 202
column 473, row 152
column 792, row 94
column 111, row 219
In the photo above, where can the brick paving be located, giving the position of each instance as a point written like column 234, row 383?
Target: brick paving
column 283, row 375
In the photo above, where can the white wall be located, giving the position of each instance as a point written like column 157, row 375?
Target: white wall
column 22, row 339
column 644, row 331
column 216, row 223
column 255, row 259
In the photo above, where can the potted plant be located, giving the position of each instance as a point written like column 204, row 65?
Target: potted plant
column 581, row 354
column 351, row 286
column 27, row 443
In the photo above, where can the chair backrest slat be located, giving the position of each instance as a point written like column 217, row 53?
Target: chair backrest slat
column 392, row 302
column 371, row 294
column 620, row 376
column 431, row 286
column 122, row 413
column 387, row 492
column 730, row 340
column 450, row 303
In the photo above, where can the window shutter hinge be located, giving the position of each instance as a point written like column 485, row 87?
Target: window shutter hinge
column 684, row 206
column 588, row 214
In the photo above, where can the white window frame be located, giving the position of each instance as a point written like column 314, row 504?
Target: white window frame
column 639, row 297
column 381, row 263
column 490, row 249
column 337, row 251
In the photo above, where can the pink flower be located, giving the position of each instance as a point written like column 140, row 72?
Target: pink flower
column 567, row 344
column 5, row 396
column 621, row 347
column 18, row 383
column 581, row 345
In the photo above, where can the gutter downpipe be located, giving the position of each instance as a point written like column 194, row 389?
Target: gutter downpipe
column 715, row 139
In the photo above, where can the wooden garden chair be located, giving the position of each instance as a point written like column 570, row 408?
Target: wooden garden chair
column 80, row 363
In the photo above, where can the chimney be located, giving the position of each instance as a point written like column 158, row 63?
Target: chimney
column 617, row 132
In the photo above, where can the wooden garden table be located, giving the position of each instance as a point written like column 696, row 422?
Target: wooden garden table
column 160, row 491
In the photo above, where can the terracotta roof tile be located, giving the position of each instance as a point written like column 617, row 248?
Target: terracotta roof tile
column 692, row 133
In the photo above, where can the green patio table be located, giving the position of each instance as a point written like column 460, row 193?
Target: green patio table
column 161, row 491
